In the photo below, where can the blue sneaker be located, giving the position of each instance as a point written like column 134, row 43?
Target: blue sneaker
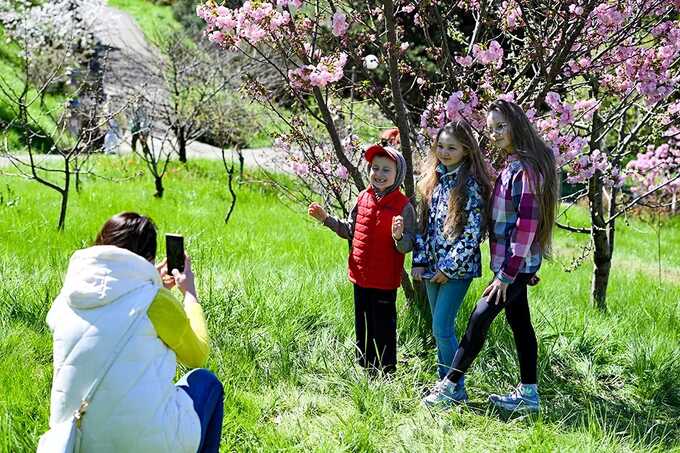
column 523, row 399
column 446, row 393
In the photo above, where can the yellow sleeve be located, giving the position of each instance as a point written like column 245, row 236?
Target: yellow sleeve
column 182, row 329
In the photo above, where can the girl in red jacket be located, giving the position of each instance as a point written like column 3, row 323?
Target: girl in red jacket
column 381, row 228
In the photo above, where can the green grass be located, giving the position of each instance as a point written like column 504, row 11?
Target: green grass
column 279, row 307
column 150, row 17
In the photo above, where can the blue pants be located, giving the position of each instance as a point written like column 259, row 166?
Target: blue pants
column 445, row 301
column 207, row 393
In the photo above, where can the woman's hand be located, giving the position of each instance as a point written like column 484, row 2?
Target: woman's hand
column 168, row 280
column 397, row 227
column 185, row 280
column 439, row 278
column 316, row 211
column 417, row 273
column 497, row 291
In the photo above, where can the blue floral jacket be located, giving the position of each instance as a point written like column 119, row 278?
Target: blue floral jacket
column 456, row 257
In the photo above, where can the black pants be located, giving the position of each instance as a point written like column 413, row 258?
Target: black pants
column 375, row 322
column 517, row 313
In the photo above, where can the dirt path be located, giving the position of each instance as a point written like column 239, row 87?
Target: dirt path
column 265, row 158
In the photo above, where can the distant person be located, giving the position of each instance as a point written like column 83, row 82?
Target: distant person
column 139, row 127
column 454, row 191
column 113, row 137
column 381, row 228
column 116, row 307
column 522, row 218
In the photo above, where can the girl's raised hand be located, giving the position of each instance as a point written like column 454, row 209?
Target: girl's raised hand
column 319, row 213
column 397, row 227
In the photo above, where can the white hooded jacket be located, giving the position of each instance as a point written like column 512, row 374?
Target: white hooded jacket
column 136, row 407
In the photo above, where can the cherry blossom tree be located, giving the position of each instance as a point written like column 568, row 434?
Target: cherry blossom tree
column 598, row 78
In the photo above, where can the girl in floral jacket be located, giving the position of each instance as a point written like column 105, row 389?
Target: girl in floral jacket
column 453, row 193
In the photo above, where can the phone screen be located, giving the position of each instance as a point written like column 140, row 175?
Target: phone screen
column 174, row 247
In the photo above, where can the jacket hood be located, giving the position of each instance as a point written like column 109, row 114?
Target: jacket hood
column 397, row 157
column 99, row 275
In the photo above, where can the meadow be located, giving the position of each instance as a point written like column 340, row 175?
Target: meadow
column 279, row 307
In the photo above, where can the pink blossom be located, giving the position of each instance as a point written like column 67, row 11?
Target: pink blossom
column 226, row 21
column 434, row 116
column 575, row 9
column 329, row 69
column 341, row 172
column 464, row 61
column 216, row 37
column 494, row 54
column 340, row 25
column 553, row 100
column 295, row 3
column 512, row 13
column 300, row 169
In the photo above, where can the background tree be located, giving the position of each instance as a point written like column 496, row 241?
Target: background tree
column 193, row 84
column 68, row 150
column 54, row 143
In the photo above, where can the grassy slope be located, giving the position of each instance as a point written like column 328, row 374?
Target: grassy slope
column 280, row 312
column 149, row 16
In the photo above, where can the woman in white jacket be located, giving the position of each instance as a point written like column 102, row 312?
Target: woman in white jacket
column 137, row 407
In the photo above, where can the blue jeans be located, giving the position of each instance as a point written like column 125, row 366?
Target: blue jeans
column 445, row 301
column 207, row 393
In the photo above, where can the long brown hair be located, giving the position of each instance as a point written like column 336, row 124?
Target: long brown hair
column 535, row 154
column 131, row 231
column 471, row 165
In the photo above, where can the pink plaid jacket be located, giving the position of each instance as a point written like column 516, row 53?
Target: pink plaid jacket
column 514, row 215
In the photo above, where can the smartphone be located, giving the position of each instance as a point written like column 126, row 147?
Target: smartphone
column 174, row 248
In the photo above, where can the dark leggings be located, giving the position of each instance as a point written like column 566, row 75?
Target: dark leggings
column 375, row 321
column 517, row 313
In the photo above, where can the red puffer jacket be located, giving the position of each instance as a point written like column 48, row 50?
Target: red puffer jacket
column 374, row 261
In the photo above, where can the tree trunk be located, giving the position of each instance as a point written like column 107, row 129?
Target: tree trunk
column 159, row 187
column 602, row 256
column 182, row 143
column 397, row 98
column 241, row 162
column 76, row 174
column 64, row 197
column 416, row 298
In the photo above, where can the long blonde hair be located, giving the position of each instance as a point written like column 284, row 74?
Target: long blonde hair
column 471, row 165
column 536, row 155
